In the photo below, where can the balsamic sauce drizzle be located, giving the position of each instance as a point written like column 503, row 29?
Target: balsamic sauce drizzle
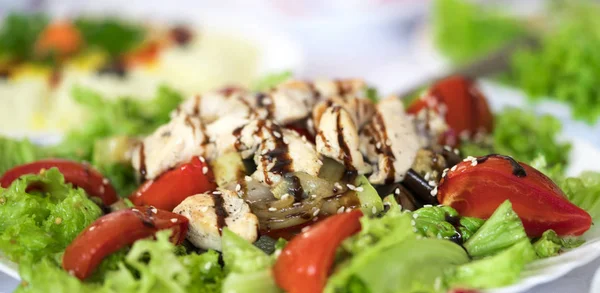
column 220, row 210
column 296, row 189
column 143, row 171
column 346, row 155
column 517, row 169
column 455, row 221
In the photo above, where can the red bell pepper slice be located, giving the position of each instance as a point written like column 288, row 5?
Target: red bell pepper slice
column 305, row 262
column 172, row 187
column 464, row 106
column 79, row 174
column 115, row 231
column 477, row 187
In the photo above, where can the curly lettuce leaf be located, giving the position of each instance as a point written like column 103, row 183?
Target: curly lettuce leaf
column 15, row 152
column 39, row 223
column 584, row 192
column 502, row 230
column 151, row 266
column 494, row 271
column 444, row 222
column 550, row 244
column 512, row 124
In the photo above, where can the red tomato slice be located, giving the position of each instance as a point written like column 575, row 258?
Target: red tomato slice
column 115, row 231
column 79, row 174
column 464, row 106
column 305, row 262
column 172, row 187
column 476, row 191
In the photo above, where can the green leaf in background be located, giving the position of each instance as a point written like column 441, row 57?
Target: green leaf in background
column 512, row 126
column 464, row 31
column 18, row 35
column 584, row 192
column 15, row 152
column 503, row 229
column 271, row 80
column 110, row 35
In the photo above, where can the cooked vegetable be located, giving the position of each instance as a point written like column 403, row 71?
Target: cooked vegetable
column 173, row 186
column 494, row 271
column 503, row 229
column 42, row 221
column 115, row 231
column 370, row 202
column 462, row 105
column 228, row 168
column 60, row 38
column 479, row 185
column 306, row 260
column 81, row 175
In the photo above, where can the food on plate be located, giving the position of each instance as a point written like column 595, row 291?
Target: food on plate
column 41, row 59
column 301, row 186
column 561, row 65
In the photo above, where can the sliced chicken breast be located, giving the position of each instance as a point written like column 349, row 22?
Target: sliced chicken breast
column 171, row 144
column 209, row 213
column 389, row 142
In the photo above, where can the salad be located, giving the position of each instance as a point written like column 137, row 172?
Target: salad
column 292, row 186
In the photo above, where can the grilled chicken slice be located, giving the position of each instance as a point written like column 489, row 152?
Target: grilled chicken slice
column 361, row 110
column 337, row 138
column 340, row 88
column 430, row 126
column 171, row 144
column 276, row 151
column 221, row 135
column 209, row 213
column 389, row 142
column 218, row 104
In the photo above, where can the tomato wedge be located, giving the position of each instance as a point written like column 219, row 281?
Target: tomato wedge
column 61, row 38
column 115, row 231
column 464, row 106
column 79, row 174
column 478, row 186
column 305, row 262
column 172, row 187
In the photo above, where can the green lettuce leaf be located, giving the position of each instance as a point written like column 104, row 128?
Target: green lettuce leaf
column 110, row 35
column 15, row 152
column 39, row 223
column 18, row 34
column 550, row 244
column 503, row 229
column 444, row 222
column 498, row 270
column 584, row 191
column 248, row 268
column 271, row 80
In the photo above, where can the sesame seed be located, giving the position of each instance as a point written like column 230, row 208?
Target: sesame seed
column 446, row 170
column 216, row 192
column 135, row 210
column 42, row 171
column 340, row 210
column 453, row 168
column 174, row 220
column 434, row 191
column 2, row 200
column 272, row 209
column 431, row 183
column 202, row 159
column 154, row 210
column 105, row 181
column 374, row 210
column 305, row 229
column 204, row 209
column 388, row 142
column 296, row 204
column 427, row 206
column 397, row 191
column 360, row 189
column 448, row 148
column 285, row 196
column 315, row 219
column 204, row 170
column 316, row 212
column 412, row 222
column 415, row 216
column 304, row 138
column 456, row 151
column 378, row 145
column 248, row 178
column 58, row 220
column 427, row 176
column 319, row 161
column 337, row 185
column 264, row 151
column 469, row 158
column 92, row 228
column 238, row 187
column 314, row 196
column 348, row 210
column 474, row 163
column 266, row 101
column 277, row 134
column 285, row 140
column 351, row 187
